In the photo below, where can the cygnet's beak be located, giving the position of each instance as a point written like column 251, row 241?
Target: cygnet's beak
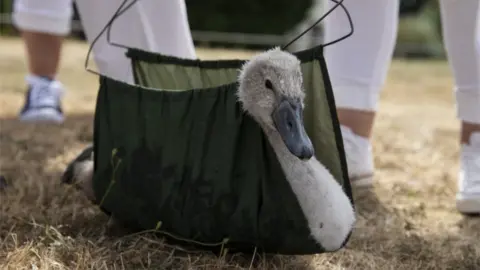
column 288, row 119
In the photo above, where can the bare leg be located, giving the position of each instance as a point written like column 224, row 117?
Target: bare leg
column 467, row 130
column 43, row 53
column 361, row 122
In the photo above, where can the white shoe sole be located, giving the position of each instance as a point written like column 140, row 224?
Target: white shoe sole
column 468, row 204
column 42, row 115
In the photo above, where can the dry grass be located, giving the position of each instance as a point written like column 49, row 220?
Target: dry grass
column 408, row 222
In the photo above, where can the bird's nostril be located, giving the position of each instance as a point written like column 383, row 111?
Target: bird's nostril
column 289, row 124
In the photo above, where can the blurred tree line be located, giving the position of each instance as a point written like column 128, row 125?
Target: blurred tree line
column 419, row 30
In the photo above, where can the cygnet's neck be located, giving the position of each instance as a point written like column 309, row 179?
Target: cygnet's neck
column 326, row 207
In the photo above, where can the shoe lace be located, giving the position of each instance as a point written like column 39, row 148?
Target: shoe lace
column 45, row 94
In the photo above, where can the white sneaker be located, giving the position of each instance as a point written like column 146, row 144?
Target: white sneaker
column 358, row 151
column 42, row 101
column 468, row 195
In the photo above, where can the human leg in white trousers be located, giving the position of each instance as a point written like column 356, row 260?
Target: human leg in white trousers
column 358, row 67
column 43, row 25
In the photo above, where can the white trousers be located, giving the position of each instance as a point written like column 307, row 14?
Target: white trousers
column 152, row 25
column 358, row 65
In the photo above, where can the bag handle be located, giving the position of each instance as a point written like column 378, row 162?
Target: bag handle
column 338, row 4
column 121, row 9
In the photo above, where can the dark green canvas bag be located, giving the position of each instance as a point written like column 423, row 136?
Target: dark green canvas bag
column 176, row 153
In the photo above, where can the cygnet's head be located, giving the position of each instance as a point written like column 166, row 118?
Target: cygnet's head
column 271, row 91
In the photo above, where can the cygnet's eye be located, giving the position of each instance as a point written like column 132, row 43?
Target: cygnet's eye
column 268, row 84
